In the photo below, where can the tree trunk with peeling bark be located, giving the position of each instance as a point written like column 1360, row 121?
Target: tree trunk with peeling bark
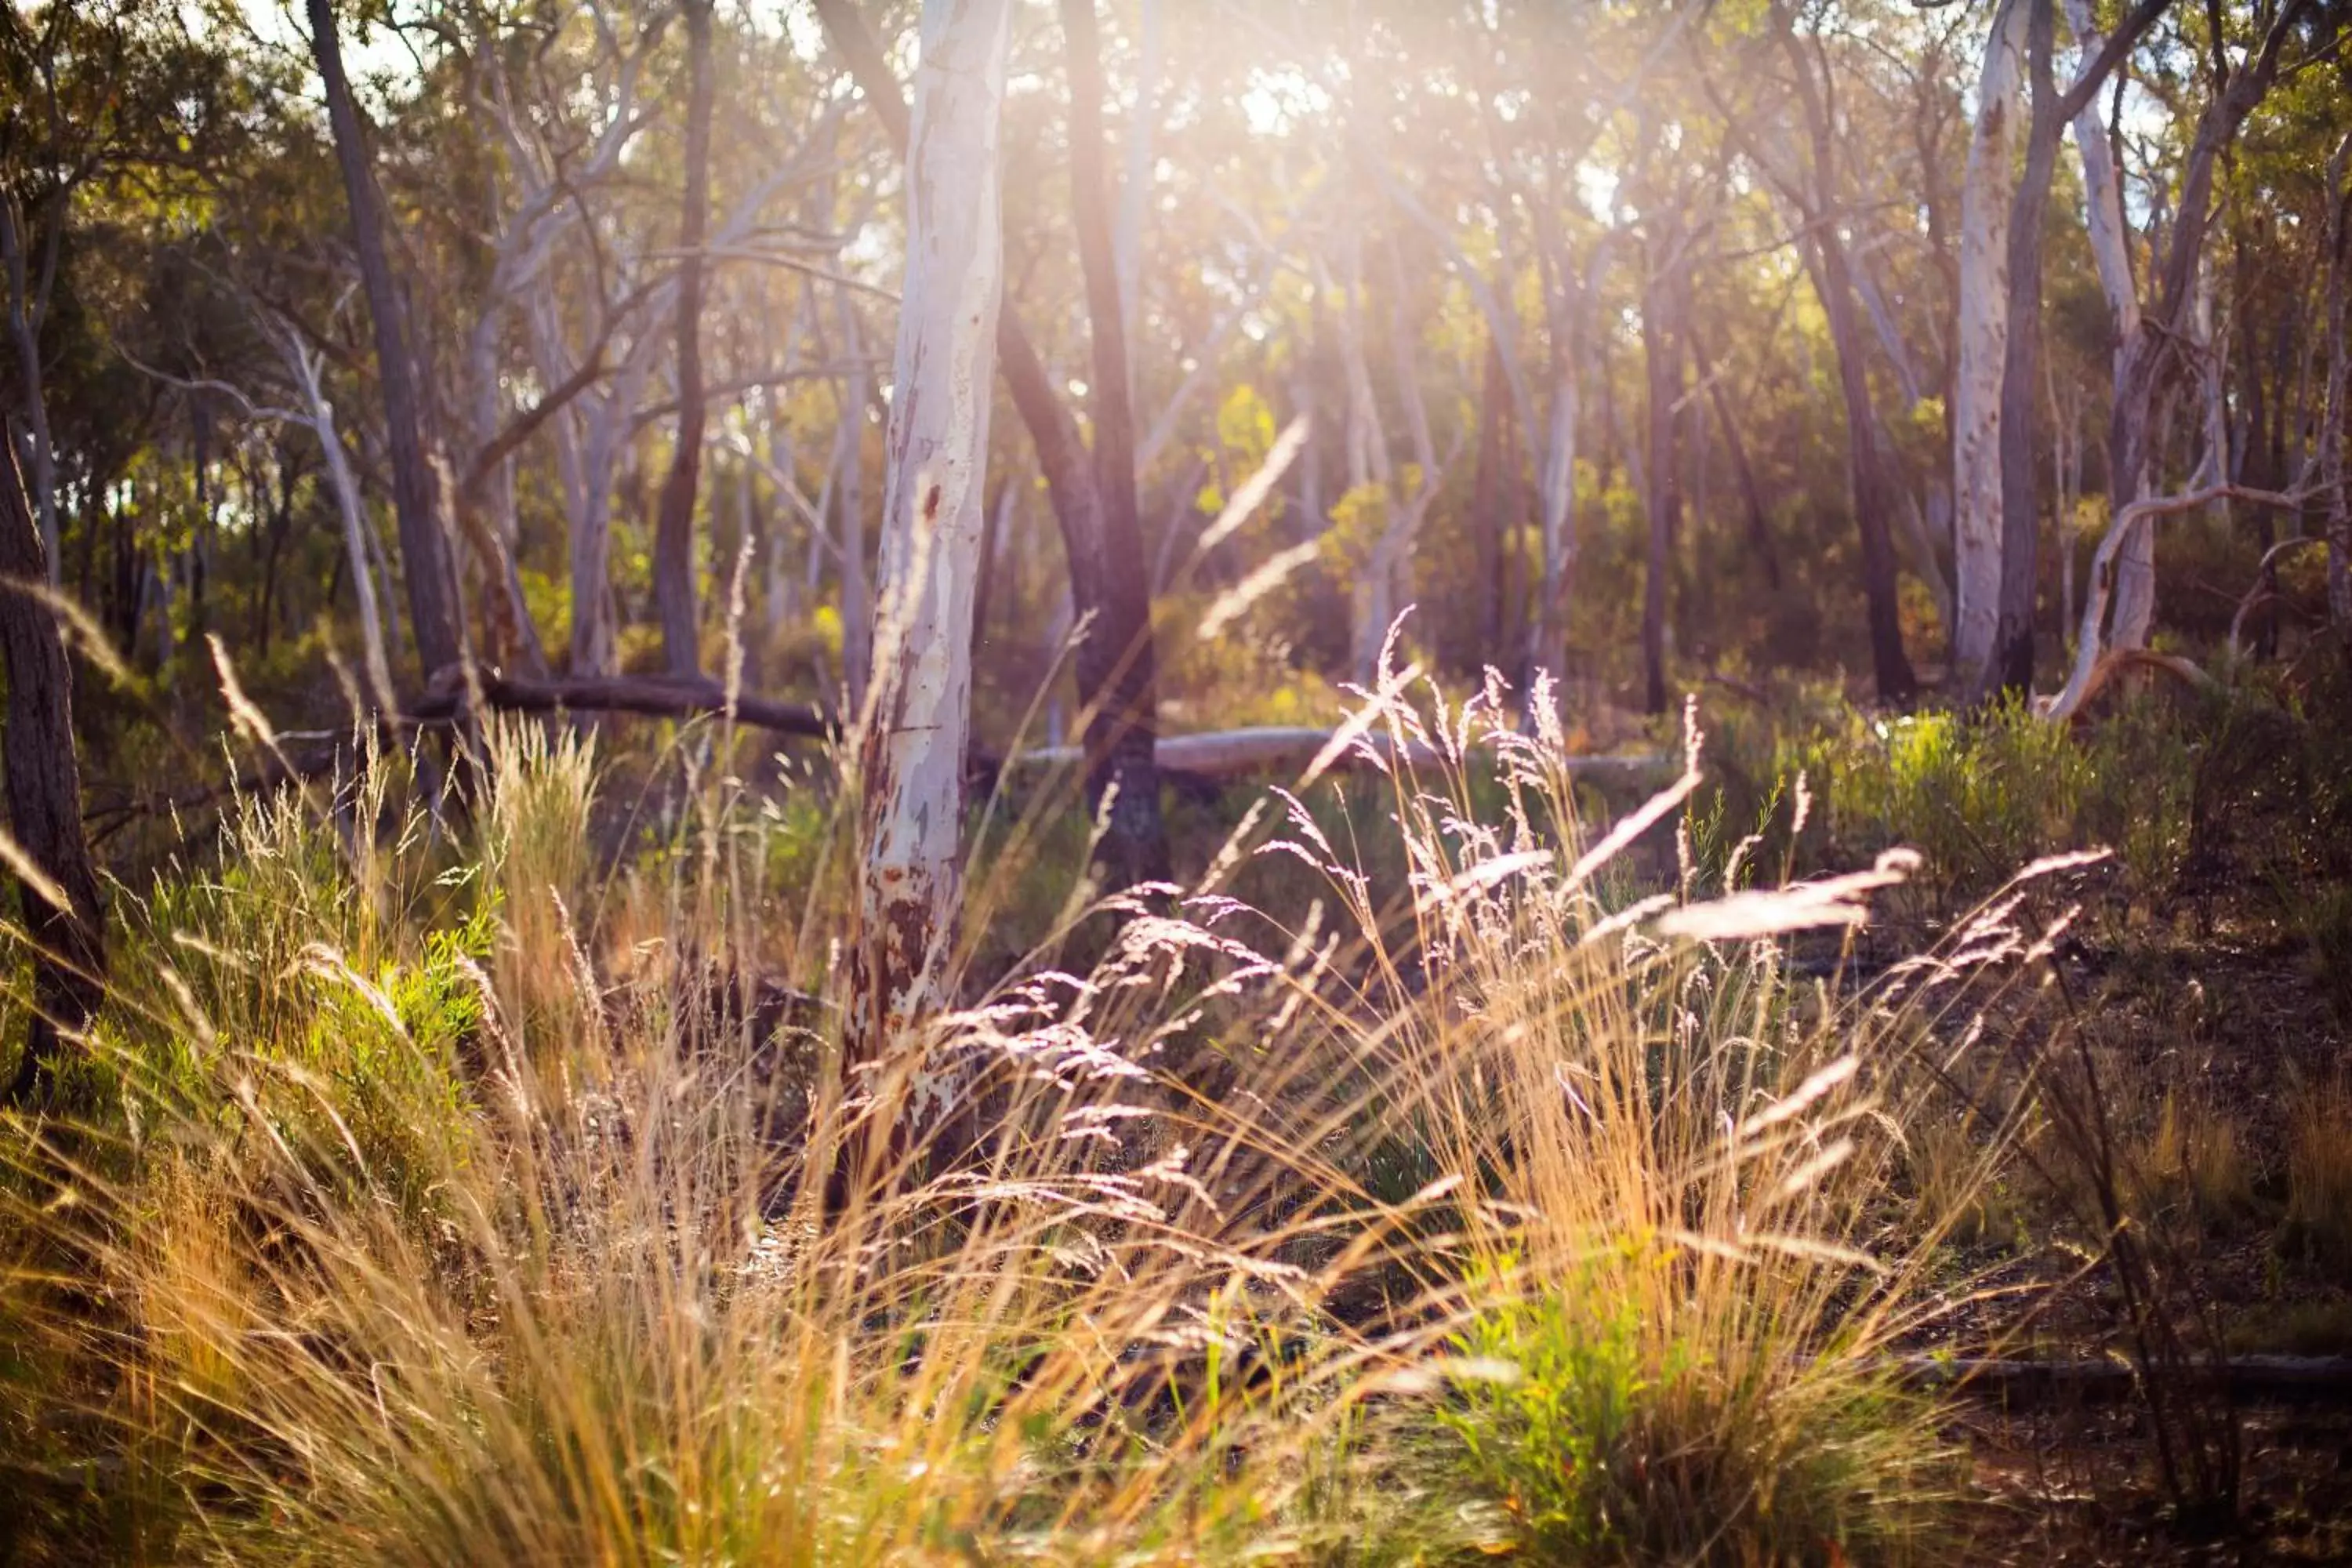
column 2006, row 664
column 674, row 585
column 424, row 551
column 64, row 918
column 1099, row 573
column 911, row 756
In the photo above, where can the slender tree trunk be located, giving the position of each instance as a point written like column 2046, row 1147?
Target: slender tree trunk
column 496, row 537
column 2149, row 357
column 991, row 544
column 1486, row 522
column 597, row 463
column 857, row 590
column 272, row 549
column 912, row 755
column 1986, row 298
column 674, row 577
column 2009, row 666
column 1122, row 740
column 44, row 793
column 1135, row 194
column 1751, row 494
column 2331, row 430
column 351, row 510
column 776, row 598
column 1368, row 469
column 1832, row 276
column 28, row 307
column 1393, row 556
column 1662, row 361
column 424, row 551
column 2103, row 190
column 1547, row 623
column 1872, row 501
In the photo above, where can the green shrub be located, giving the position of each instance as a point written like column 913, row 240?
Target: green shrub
column 1606, row 1437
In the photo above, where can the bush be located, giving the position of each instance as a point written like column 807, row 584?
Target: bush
column 1610, row 1432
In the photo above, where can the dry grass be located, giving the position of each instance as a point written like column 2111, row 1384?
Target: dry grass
column 2195, row 1155
column 2319, row 1175
column 1478, row 1214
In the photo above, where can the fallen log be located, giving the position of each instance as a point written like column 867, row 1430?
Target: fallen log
column 1220, row 754
column 1202, row 761
column 1210, row 756
column 448, row 694
column 2253, row 1379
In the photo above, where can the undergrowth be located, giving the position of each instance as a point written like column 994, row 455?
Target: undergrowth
column 423, row 1197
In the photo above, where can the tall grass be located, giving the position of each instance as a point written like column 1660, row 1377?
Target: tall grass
column 394, row 1219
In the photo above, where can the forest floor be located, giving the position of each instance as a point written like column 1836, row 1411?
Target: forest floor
column 2214, row 1002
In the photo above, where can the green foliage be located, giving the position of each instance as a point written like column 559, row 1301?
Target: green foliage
column 1981, row 796
column 1605, row 1438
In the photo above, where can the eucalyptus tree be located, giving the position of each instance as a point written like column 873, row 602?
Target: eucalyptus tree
column 1815, row 186
column 675, row 595
column 417, row 501
column 911, row 754
column 2151, row 334
column 1115, row 660
column 56, row 881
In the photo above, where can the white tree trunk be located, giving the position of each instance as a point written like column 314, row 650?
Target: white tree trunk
column 1983, row 344
column 1547, row 626
column 2213, row 465
column 1134, row 196
column 2091, row 647
column 606, row 420
column 374, row 659
column 1392, row 556
column 912, row 752
column 2103, row 218
column 776, row 596
column 2101, row 192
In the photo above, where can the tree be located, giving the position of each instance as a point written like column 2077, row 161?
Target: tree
column 424, row 546
column 58, row 884
column 911, row 760
column 1663, row 306
column 2149, row 356
column 1120, row 741
column 2331, row 431
column 1106, row 583
column 1982, row 348
column 2006, row 663
column 1816, row 193
column 673, row 584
